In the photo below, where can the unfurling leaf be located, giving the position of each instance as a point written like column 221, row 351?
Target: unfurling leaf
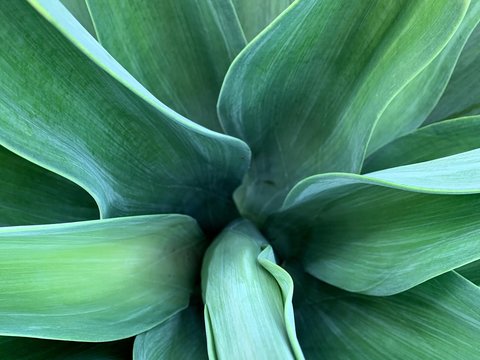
column 247, row 298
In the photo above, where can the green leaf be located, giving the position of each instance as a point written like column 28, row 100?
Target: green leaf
column 471, row 271
column 384, row 232
column 14, row 348
column 31, row 195
column 248, row 310
column 267, row 259
column 461, row 97
column 436, row 320
column 98, row 280
column 323, row 66
column 456, row 174
column 437, row 140
column 179, row 50
column 256, row 15
column 94, row 124
column 409, row 109
column 80, row 10
column 182, row 337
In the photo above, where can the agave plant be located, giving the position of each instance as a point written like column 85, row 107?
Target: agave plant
column 240, row 179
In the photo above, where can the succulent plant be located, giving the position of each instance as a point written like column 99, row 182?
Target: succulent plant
column 240, row 179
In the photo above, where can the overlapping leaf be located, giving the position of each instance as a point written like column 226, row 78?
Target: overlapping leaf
column 306, row 107
column 179, row 50
column 99, row 280
column 248, row 310
column 31, row 195
column 306, row 93
column 86, row 118
column 471, row 271
column 384, row 232
column 255, row 15
column 462, row 95
column 80, row 10
column 182, row 337
column 445, row 138
column 12, row 348
column 409, row 109
column 436, row 320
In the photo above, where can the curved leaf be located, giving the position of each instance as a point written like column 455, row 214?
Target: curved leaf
column 409, row 109
column 456, row 174
column 247, row 300
column 32, row 195
column 14, row 348
column 97, row 280
column 267, row 259
column 437, row 140
column 384, row 232
column 108, row 134
column 322, row 67
column 182, row 337
column 436, row 320
column 256, row 15
column 462, row 95
column 179, row 50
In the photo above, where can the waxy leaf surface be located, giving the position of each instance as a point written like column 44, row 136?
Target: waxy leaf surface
column 182, row 337
column 409, row 109
column 462, row 95
column 179, row 50
column 384, row 232
column 98, row 280
column 69, row 106
column 439, row 319
column 306, row 93
column 431, row 142
column 248, row 309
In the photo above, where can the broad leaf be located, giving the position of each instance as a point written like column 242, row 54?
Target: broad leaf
column 437, row 140
column 32, row 195
column 80, row 10
column 87, row 119
column 248, row 310
column 179, row 50
column 256, row 15
column 306, row 93
column 409, row 109
column 462, row 95
column 182, row 337
column 384, row 232
column 436, row 320
column 14, row 348
column 97, row 280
